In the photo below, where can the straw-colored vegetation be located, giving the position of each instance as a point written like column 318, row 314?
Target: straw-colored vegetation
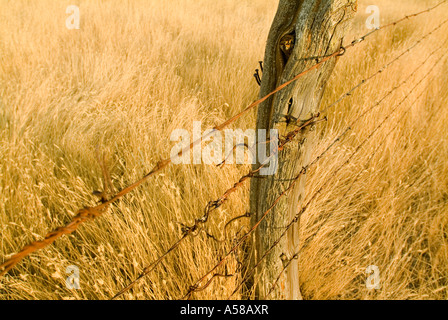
column 137, row 70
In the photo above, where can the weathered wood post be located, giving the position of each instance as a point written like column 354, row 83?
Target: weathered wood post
column 302, row 33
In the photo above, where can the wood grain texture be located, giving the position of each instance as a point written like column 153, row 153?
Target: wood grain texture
column 318, row 28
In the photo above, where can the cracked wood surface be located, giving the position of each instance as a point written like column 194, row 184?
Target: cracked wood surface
column 318, row 28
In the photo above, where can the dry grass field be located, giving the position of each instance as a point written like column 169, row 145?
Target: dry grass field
column 137, row 70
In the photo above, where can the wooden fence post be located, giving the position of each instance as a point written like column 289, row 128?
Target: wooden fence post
column 302, row 33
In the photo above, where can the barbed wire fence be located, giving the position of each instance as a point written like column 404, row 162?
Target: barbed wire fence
column 90, row 213
column 313, row 162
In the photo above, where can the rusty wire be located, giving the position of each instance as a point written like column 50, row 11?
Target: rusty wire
column 90, row 213
column 413, row 15
column 82, row 216
column 304, row 170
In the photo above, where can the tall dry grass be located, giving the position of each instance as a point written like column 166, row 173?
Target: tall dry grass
column 137, row 70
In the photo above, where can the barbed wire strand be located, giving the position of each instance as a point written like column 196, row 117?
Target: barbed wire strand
column 90, row 213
